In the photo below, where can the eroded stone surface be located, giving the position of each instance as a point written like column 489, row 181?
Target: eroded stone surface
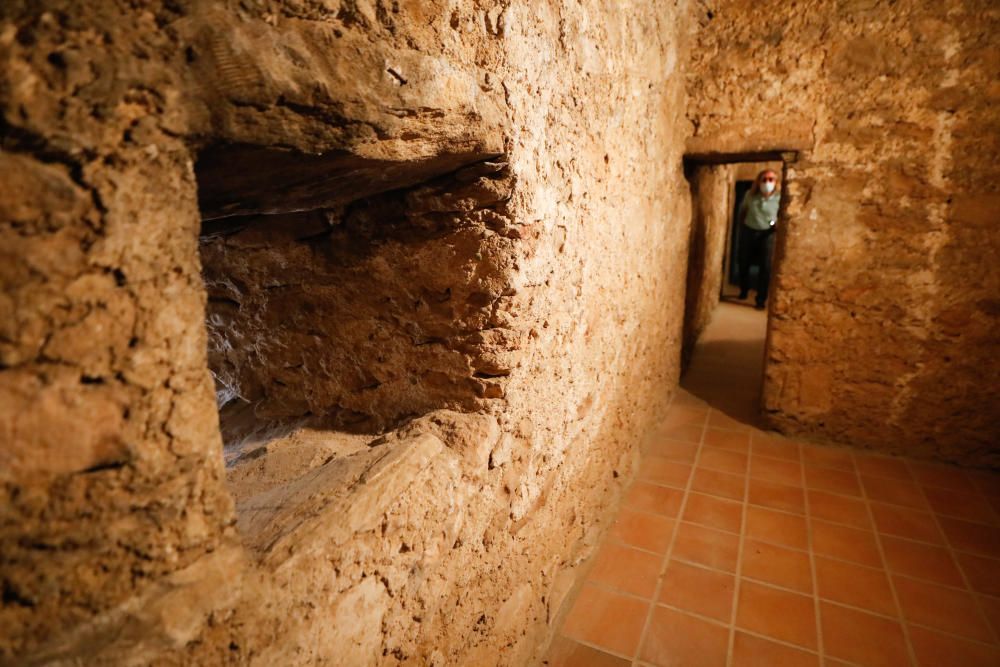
column 371, row 315
column 884, row 316
column 531, row 300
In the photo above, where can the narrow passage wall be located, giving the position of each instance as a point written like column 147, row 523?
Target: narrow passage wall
column 541, row 339
column 711, row 215
column 883, row 327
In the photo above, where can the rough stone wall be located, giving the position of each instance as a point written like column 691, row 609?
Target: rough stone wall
column 110, row 474
column 711, row 214
column 368, row 317
column 451, row 540
column 883, row 329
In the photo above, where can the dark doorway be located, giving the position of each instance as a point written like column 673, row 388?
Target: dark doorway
column 724, row 336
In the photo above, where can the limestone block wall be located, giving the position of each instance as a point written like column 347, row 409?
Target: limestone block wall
column 883, row 324
column 138, row 141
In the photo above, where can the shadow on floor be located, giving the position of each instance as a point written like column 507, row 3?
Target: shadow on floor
column 736, row 301
column 727, row 374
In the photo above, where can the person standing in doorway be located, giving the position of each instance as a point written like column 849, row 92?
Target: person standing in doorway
column 758, row 215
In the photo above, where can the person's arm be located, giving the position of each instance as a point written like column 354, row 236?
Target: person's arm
column 744, row 208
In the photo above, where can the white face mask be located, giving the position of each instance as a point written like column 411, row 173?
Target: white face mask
column 767, row 187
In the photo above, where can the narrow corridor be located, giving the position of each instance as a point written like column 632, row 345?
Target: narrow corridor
column 739, row 547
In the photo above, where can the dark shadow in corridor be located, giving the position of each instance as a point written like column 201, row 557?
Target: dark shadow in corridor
column 727, row 365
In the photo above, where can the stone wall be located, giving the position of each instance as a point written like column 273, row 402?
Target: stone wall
column 711, row 215
column 368, row 316
column 882, row 331
column 542, row 332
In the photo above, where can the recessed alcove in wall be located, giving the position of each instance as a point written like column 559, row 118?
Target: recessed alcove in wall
column 346, row 296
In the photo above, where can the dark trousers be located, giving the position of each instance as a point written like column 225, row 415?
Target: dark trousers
column 756, row 247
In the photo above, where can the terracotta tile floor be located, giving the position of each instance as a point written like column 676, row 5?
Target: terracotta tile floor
column 740, row 547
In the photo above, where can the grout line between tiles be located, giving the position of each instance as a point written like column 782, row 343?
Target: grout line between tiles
column 752, row 633
column 926, row 509
column 911, row 653
column 615, row 540
column 965, row 579
column 739, row 558
column 598, row 647
column 821, row 520
column 820, row 643
column 578, row 586
column 670, row 548
column 767, row 584
column 879, row 535
column 952, row 635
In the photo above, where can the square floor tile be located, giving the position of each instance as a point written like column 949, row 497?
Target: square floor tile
column 776, row 527
column 654, row 498
column 776, row 470
column 828, row 457
column 676, row 639
column 777, row 496
column 894, row 491
column 851, row 544
column 854, row 585
column 723, row 460
column 983, row 573
column 777, row 565
column 673, row 450
column 751, row 651
column 683, row 432
column 735, row 441
column 705, row 546
column 718, row 483
column 968, row 506
column 836, row 508
column 643, row 530
column 975, row 538
column 921, row 561
column 882, row 466
column 698, row 590
column 721, row 420
column 935, row 649
column 903, row 522
column 658, row 470
column 862, row 638
column 941, row 476
column 943, row 608
column 991, row 607
column 565, row 652
column 626, row 569
column 606, row 619
column 988, row 483
column 713, row 512
column 776, row 613
column 844, row 482
column 775, row 446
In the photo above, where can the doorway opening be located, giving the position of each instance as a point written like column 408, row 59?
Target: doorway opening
column 738, row 239
column 731, row 276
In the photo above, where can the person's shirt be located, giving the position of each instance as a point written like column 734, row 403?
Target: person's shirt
column 761, row 211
